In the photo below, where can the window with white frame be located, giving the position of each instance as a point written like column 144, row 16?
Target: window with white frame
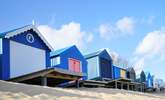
column 55, row 61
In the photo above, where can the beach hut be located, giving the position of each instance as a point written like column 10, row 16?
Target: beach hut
column 149, row 80
column 131, row 74
column 23, row 50
column 99, row 65
column 119, row 72
column 120, row 79
column 70, row 59
column 141, row 78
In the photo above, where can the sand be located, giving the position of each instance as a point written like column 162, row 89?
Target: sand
column 17, row 91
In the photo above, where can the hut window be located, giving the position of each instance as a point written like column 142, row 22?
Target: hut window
column 55, row 61
column 74, row 65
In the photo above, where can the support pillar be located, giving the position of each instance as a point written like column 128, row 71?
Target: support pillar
column 77, row 84
column 116, row 84
column 44, row 81
column 121, row 85
column 141, row 89
column 127, row 86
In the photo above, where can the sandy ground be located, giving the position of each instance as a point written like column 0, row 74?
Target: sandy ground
column 16, row 91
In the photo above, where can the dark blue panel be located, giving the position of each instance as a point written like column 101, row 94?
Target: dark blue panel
column 38, row 43
column 104, row 54
column 142, row 77
column 6, row 59
column 105, row 68
column 47, row 59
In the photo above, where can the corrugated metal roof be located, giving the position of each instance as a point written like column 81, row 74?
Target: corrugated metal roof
column 58, row 52
column 20, row 30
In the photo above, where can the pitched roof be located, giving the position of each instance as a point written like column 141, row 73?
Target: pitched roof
column 58, row 52
column 20, row 30
column 93, row 54
column 130, row 69
column 147, row 74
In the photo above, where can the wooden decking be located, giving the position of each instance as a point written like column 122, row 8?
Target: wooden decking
column 50, row 77
column 126, row 84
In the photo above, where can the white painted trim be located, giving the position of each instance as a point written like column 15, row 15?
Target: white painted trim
column 26, row 28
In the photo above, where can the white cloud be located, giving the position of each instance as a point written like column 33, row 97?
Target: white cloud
column 126, row 25
column 67, row 35
column 123, row 26
column 138, row 65
column 152, row 44
column 151, row 48
column 107, row 31
column 89, row 38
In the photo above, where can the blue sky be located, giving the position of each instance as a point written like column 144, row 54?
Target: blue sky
column 134, row 29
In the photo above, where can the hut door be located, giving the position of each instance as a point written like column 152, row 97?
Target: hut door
column 74, row 65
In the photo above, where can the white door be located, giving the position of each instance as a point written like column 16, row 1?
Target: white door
column 25, row 59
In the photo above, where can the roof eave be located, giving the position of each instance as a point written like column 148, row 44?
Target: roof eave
column 29, row 27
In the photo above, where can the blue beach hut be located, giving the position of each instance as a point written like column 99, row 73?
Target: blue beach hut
column 69, row 59
column 23, row 50
column 99, row 65
column 149, row 80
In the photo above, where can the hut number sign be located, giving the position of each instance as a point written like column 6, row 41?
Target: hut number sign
column 30, row 38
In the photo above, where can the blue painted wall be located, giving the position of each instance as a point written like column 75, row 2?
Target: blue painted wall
column 38, row 43
column 116, row 72
column 21, row 38
column 0, row 46
column 5, row 60
column 74, row 53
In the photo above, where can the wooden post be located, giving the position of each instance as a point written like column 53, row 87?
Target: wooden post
column 121, row 85
column 77, row 83
column 116, row 84
column 44, row 81
column 127, row 86
column 141, row 88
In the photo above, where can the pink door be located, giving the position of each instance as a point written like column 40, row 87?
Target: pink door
column 74, row 65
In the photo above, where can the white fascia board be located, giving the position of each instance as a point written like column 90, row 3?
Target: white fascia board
column 21, row 30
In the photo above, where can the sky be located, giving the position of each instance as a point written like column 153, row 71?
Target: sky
column 131, row 29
